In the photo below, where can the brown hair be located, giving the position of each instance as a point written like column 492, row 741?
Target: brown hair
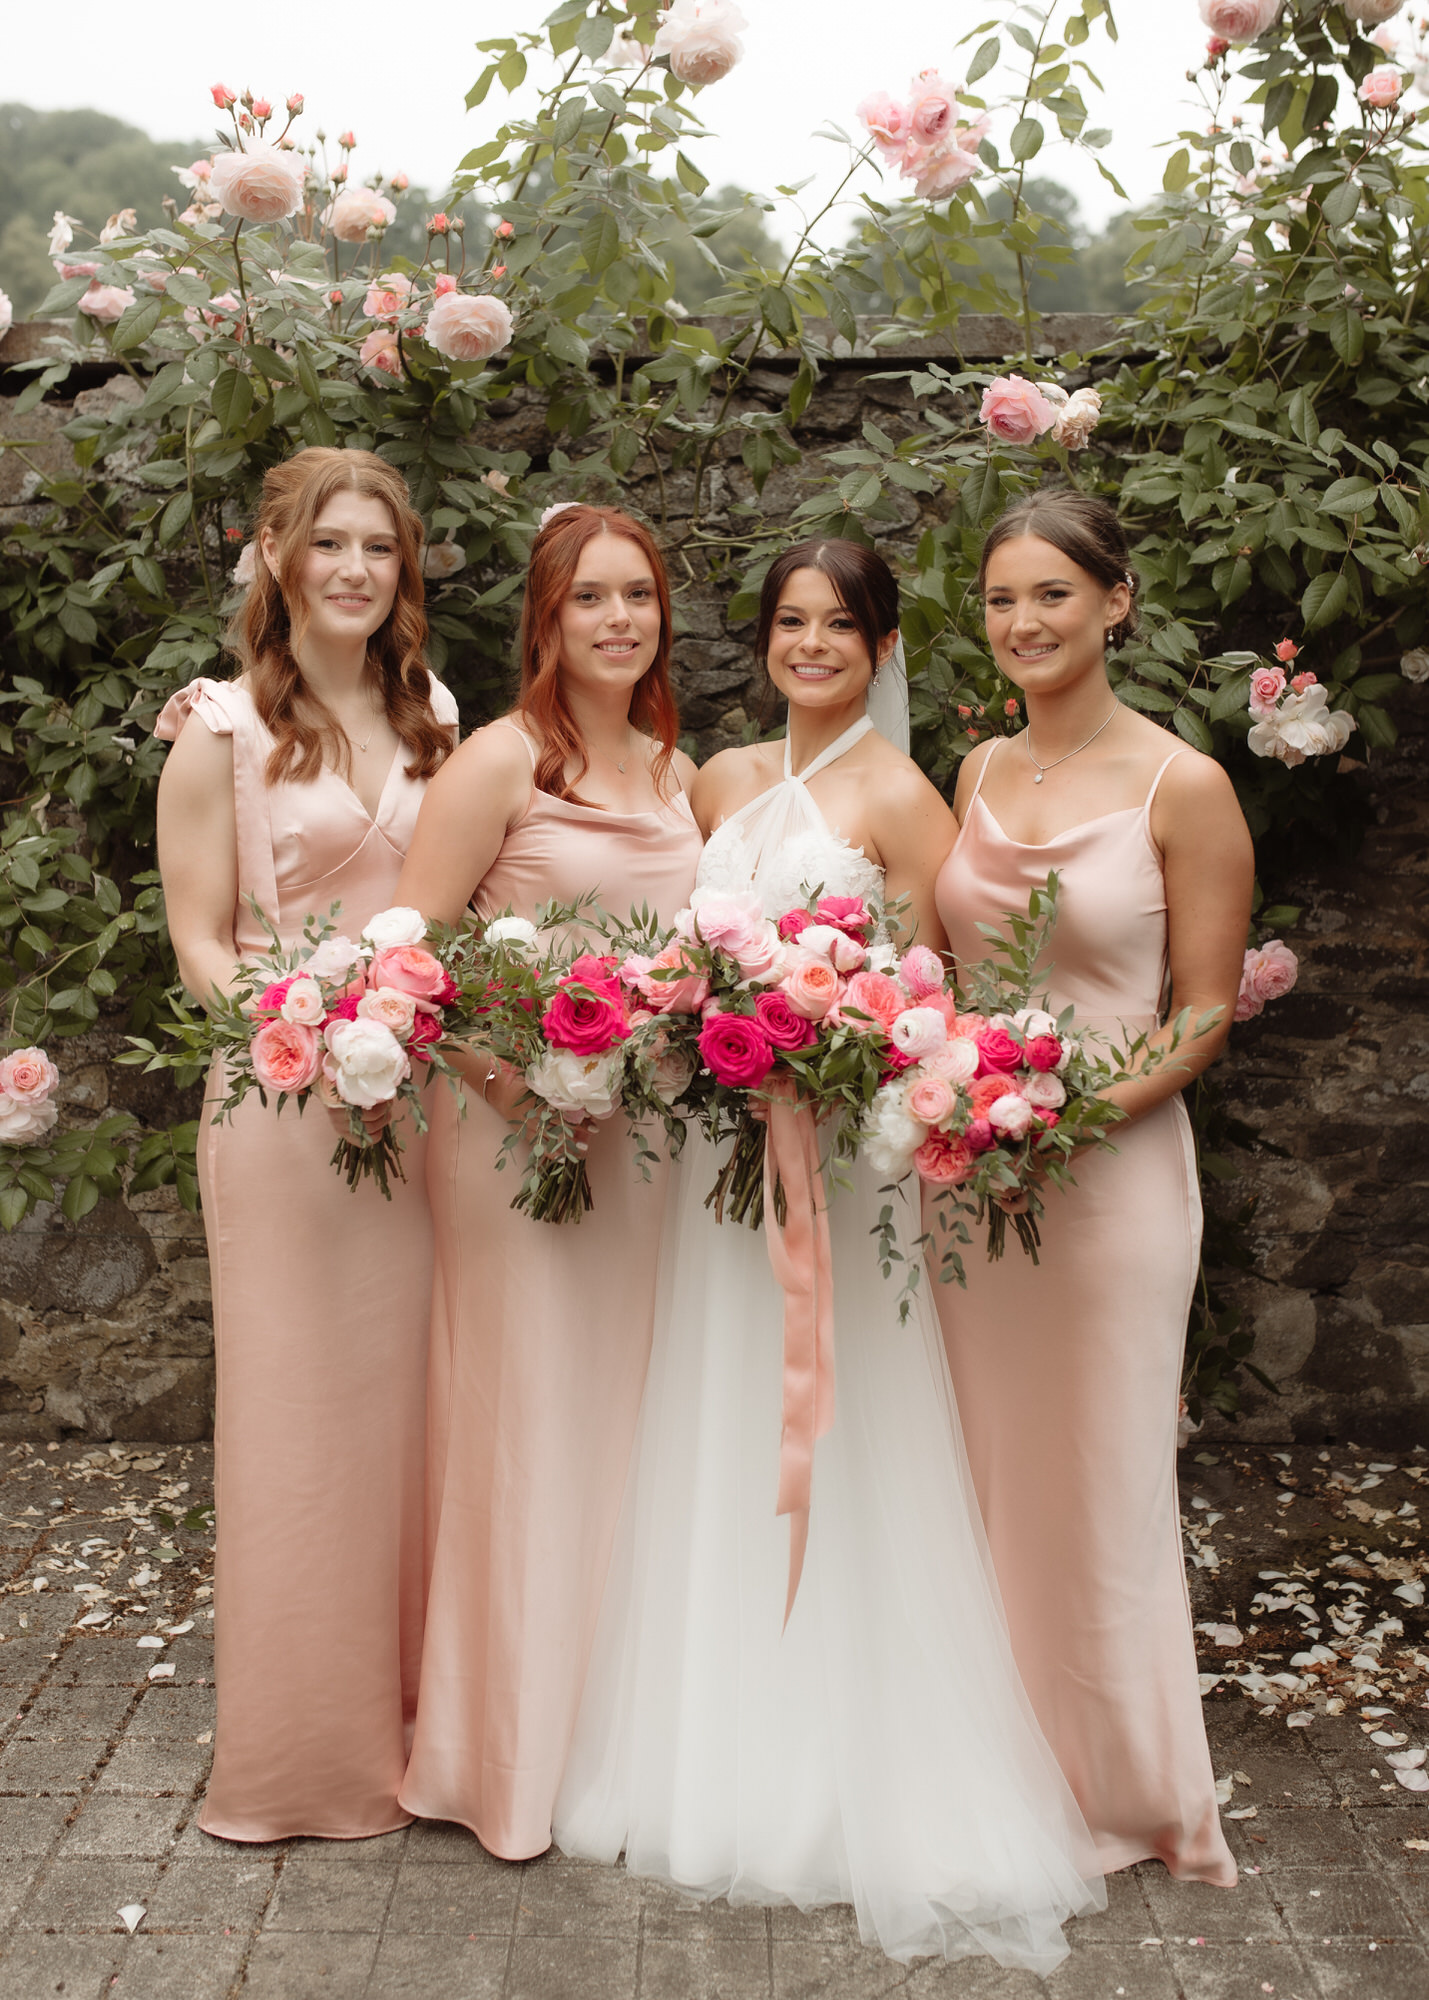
column 268, row 629
column 1087, row 531
column 862, row 581
column 555, row 557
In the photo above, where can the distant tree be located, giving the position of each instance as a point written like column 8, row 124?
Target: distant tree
column 746, row 237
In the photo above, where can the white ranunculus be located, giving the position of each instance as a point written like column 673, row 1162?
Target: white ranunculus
column 393, row 927
column 956, row 1061
column 334, row 956
column 575, row 1085
column 919, row 1032
column 1045, row 1089
column 1415, row 665
column 365, row 1062
column 518, row 934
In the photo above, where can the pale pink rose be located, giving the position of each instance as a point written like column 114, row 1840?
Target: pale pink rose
column 811, row 986
column 286, row 1055
column 1077, row 419
column 396, row 1011
column 262, row 184
column 921, row 970
column 23, row 1122
column 932, row 109
column 727, row 923
column 1371, row 12
column 941, row 170
column 1381, row 88
column 1267, row 684
column 243, row 570
column 844, row 954
column 1015, row 411
column 957, row 1061
column 365, row 1062
column 124, row 222
column 700, row 38
column 303, row 1002
column 28, row 1076
column 443, row 283
column 106, row 303
column 625, row 52
column 76, row 270
column 930, row 1099
column 335, row 955
column 887, row 123
column 1011, row 1115
column 1268, row 973
column 464, row 327
column 758, row 958
column 919, row 1032
column 442, row 559
column 1044, row 1089
column 380, row 351
column 356, row 211
column 685, row 995
column 388, row 296
column 411, row 970
column 1239, row 20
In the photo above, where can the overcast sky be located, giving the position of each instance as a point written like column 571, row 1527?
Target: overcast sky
column 398, row 76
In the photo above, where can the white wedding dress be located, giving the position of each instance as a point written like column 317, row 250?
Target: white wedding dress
column 879, row 1750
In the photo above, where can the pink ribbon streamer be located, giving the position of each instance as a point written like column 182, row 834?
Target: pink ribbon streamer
column 800, row 1257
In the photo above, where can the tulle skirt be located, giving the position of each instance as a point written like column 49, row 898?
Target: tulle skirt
column 879, row 1750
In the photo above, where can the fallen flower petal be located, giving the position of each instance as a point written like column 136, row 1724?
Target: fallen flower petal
column 131, row 1916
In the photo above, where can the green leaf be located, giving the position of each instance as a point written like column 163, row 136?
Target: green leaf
column 1027, row 137
column 1186, row 723
column 13, row 1203
column 690, row 176
column 1178, row 172
column 1300, row 410
column 800, row 393
column 512, row 70
column 1347, row 334
column 593, row 36
column 1341, row 205
column 136, row 323
column 566, row 345
column 175, row 518
column 600, row 241
column 232, row 397
column 78, row 623
column 79, row 1197
column 778, row 310
column 1324, row 600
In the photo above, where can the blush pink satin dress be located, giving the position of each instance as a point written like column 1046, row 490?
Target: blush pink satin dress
column 540, row 1341
column 321, row 1302
column 1067, row 1373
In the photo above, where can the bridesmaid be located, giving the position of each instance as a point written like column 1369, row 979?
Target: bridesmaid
column 1067, row 1375
column 540, row 1333
column 300, row 788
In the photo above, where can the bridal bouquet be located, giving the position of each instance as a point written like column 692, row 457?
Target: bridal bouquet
column 356, row 1024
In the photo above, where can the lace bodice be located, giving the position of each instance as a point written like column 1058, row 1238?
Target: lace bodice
column 782, row 844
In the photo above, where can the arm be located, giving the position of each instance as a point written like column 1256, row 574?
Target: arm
column 719, row 788
column 914, row 831
column 1210, row 873
column 198, row 857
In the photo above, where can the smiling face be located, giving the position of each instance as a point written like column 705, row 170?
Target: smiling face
column 610, row 617
column 1047, row 619
column 347, row 575
column 817, row 656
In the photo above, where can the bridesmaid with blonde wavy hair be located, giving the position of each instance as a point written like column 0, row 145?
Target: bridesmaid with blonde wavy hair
column 297, row 786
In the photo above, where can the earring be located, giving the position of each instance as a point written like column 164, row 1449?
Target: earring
column 873, row 680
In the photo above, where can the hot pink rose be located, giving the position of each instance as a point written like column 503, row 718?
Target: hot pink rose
column 412, row 970
column 792, row 922
column 1044, row 1052
column 979, row 1136
column 998, row 1050
column 943, row 1160
column 684, row 994
column 1239, row 20
column 597, row 971
column 736, row 1050
column 286, row 1055
column 586, row 1015
column 464, row 328
column 849, row 914
column 426, row 1029
column 784, row 1028
column 812, row 987
column 344, row 1010
column 921, row 971
column 28, row 1076
column 1267, row 684
column 931, row 1100
column 1016, row 411
column 1047, row 1119
column 262, row 184
column 270, row 1000
column 876, row 994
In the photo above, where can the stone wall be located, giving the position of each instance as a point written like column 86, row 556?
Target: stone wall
column 105, row 1326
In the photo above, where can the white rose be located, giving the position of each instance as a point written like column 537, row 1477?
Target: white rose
column 1045, row 1089
column 919, row 1032
column 1415, row 665
column 575, row 1085
column 393, row 927
column 304, row 1003
column 701, row 39
column 956, row 1061
column 1010, row 1115
column 518, row 934
column 843, row 953
column 62, row 233
column 365, row 1062
column 882, row 956
column 396, row 1011
column 671, row 1070
column 1077, row 419
column 441, row 559
column 1033, row 1021
column 21, row 1124
column 334, row 956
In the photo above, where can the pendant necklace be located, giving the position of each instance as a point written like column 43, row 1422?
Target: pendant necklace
column 1043, row 769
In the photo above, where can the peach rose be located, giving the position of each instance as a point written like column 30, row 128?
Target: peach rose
column 357, row 211
column 381, row 351
column 262, row 184
column 467, row 328
column 700, row 39
column 1015, row 410
column 28, row 1076
column 812, row 986
column 412, row 970
column 303, row 1002
column 1380, row 89
column 930, row 1099
column 943, row 1160
column 396, row 1011
column 873, row 993
column 684, row 994
column 388, row 296
column 286, row 1055
column 106, row 303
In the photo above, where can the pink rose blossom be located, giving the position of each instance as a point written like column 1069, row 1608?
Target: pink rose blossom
column 931, row 1099
column 758, row 958
column 355, row 212
column 736, row 1050
column 1286, row 650
column 1044, row 1052
column 425, row 1030
column 586, row 1016
column 344, row 1009
column 1239, row 20
column 919, row 1032
column 28, row 1076
column 443, row 283
column 932, row 109
column 874, row 994
column 106, row 303
column 727, row 923
column 1015, row 411
column 1268, row 973
column 77, row 270
column 388, row 296
column 887, row 123
column 845, row 954
column 921, row 971
column 335, row 955
column 1044, row 1090
column 262, row 184
column 956, row 1061
column 1076, row 420
column 467, row 328
column 941, row 170
column 270, row 1000
column 986, row 1091
column 792, row 923
column 812, row 987
column 1267, row 684
column 684, row 994
column 1303, row 681
column 943, row 1160
column 849, row 914
column 979, row 1136
column 1011, row 1115
column 244, row 571
column 286, row 1055
column 700, row 39
column 396, row 1011
column 782, row 1026
column 998, row 1051
column 303, row 1002
column 1370, row 12
column 412, row 970
column 1380, row 89
column 223, row 97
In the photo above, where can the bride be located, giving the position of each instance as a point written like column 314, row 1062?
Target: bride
column 878, row 1750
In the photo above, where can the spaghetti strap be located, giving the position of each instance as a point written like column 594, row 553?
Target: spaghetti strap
column 505, row 722
column 987, row 760
column 1155, row 782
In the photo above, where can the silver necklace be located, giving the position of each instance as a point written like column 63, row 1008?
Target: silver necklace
column 362, row 746
column 629, row 745
column 1043, row 769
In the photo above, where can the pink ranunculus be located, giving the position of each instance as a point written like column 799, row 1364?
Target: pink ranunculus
column 931, row 1099
column 849, row 914
column 396, row 1011
column 464, row 327
column 919, row 1032
column 979, row 1136
column 303, row 1002
column 736, row 1050
column 262, row 184
column 1239, row 20
column 1044, row 1052
column 1267, row 684
column 700, row 39
column 921, row 971
column 1381, row 88
column 425, row 1030
column 685, row 986
column 784, row 1028
column 588, row 1021
column 944, row 1160
column 412, row 970
column 356, row 211
column 998, row 1051
column 812, row 986
column 875, row 994
column 106, row 303
column 1016, row 411
column 1011, row 1115
column 887, row 123
column 286, row 1055
column 792, row 923
column 28, row 1076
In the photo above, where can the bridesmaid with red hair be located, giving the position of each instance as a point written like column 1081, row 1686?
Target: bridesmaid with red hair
column 540, row 1333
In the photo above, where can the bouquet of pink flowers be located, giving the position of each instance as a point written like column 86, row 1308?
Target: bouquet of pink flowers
column 356, row 1024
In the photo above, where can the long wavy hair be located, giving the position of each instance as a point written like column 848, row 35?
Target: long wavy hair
column 555, row 558
column 267, row 632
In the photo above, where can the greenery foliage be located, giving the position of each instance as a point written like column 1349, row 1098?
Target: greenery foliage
column 1274, row 336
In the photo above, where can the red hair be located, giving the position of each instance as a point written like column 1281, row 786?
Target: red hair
column 555, row 557
column 268, row 629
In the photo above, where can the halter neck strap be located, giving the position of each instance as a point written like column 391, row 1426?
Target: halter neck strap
column 855, row 732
